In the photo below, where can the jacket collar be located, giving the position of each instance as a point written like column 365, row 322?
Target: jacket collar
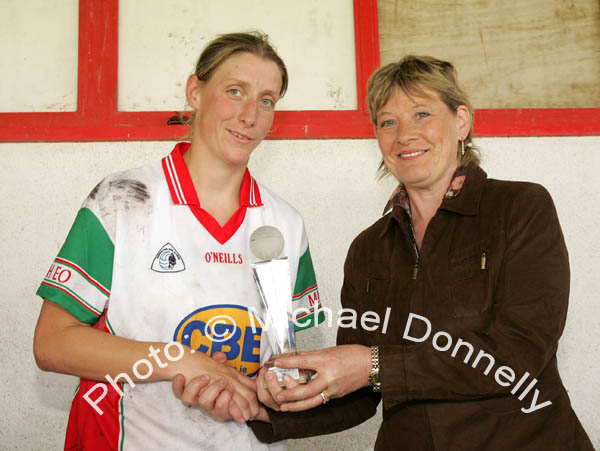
column 467, row 201
column 463, row 198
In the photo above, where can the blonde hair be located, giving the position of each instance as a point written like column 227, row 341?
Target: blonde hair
column 223, row 46
column 226, row 45
column 419, row 75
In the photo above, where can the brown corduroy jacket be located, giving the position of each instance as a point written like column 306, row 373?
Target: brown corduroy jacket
column 493, row 285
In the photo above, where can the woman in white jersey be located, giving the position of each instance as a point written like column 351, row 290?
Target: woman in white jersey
column 153, row 278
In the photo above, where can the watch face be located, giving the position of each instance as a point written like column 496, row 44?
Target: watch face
column 374, row 378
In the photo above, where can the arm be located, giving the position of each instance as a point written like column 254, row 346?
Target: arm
column 64, row 344
column 76, row 290
column 530, row 304
column 526, row 321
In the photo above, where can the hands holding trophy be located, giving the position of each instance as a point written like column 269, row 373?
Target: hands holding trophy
column 322, row 374
column 272, row 276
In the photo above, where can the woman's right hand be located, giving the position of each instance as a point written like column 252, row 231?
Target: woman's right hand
column 340, row 370
column 216, row 387
column 220, row 402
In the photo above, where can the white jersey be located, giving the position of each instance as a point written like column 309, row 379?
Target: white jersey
column 146, row 260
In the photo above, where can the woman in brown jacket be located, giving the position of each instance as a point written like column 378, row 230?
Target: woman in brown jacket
column 476, row 274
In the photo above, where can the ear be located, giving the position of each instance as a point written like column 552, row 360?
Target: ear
column 463, row 121
column 193, row 91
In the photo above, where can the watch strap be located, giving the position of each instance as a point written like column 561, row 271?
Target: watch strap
column 374, row 375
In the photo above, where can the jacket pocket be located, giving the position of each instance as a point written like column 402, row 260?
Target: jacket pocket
column 376, row 285
column 470, row 282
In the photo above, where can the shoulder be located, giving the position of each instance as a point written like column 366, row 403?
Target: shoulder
column 277, row 204
column 371, row 239
column 507, row 193
column 132, row 186
column 128, row 193
column 517, row 206
column 515, row 188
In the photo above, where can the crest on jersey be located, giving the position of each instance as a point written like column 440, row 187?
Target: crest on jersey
column 167, row 260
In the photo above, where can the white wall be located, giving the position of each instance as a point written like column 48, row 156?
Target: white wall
column 38, row 55
column 314, row 38
column 332, row 184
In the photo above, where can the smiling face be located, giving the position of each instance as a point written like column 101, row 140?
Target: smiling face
column 419, row 137
column 234, row 108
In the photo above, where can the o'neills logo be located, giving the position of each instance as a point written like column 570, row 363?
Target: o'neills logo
column 223, row 257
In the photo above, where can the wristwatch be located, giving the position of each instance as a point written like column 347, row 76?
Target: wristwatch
column 374, row 376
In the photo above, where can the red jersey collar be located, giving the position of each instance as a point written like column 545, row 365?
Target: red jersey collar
column 182, row 188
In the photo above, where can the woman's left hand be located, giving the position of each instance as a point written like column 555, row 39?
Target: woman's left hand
column 341, row 370
column 268, row 387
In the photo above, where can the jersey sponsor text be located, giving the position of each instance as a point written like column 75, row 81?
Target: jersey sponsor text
column 227, row 328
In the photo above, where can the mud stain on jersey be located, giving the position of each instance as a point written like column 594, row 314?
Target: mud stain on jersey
column 130, row 189
column 113, row 196
column 126, row 191
column 95, row 191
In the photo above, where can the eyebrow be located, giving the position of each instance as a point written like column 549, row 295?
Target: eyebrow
column 417, row 105
column 245, row 84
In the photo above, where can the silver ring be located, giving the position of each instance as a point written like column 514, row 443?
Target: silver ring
column 324, row 396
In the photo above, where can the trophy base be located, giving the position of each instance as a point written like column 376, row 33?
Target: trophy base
column 301, row 376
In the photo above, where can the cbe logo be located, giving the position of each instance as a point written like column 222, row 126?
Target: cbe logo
column 58, row 273
column 227, row 328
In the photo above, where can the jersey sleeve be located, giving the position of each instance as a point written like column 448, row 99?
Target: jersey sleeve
column 306, row 301
column 79, row 278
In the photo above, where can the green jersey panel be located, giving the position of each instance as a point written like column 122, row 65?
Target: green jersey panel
column 79, row 279
column 306, row 301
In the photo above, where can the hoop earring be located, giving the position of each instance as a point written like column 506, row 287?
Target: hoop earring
column 462, row 144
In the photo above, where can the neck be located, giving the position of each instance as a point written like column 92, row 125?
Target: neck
column 424, row 203
column 217, row 184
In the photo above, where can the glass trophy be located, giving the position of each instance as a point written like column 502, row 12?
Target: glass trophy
column 272, row 276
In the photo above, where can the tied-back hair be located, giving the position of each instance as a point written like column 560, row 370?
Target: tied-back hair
column 224, row 46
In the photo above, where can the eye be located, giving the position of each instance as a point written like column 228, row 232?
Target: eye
column 423, row 115
column 386, row 123
column 267, row 102
column 234, row 92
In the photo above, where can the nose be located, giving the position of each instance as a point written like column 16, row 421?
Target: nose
column 405, row 134
column 248, row 113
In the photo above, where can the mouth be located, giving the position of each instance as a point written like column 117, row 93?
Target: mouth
column 239, row 136
column 408, row 155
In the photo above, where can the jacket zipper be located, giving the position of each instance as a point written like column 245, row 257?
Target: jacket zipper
column 415, row 270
